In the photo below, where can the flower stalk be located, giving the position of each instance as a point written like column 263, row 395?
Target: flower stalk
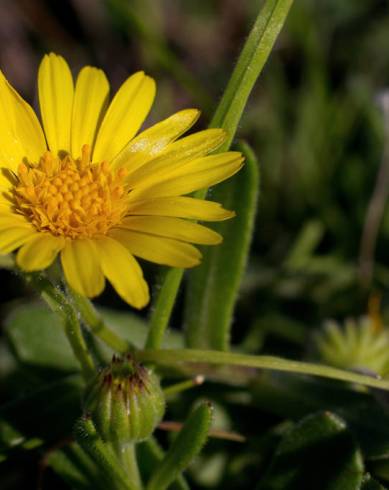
column 126, row 454
column 163, row 307
column 58, row 303
column 96, row 323
column 114, row 474
column 173, row 357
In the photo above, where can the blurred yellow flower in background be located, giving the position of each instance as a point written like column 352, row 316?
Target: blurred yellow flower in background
column 89, row 188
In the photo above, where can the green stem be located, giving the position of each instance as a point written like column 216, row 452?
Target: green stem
column 184, row 385
column 127, row 456
column 101, row 453
column 59, row 304
column 177, row 356
column 96, row 323
column 255, row 52
column 77, row 342
column 163, row 308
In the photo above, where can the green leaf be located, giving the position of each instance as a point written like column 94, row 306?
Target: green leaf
column 150, row 454
column 184, row 448
column 252, row 59
column 318, row 453
column 305, row 244
column 213, row 286
column 38, row 338
column 370, row 484
column 76, row 468
column 134, row 328
column 294, row 397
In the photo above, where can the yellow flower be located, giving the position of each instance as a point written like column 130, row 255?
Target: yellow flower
column 89, row 189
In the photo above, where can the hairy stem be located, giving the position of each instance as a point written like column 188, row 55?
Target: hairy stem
column 173, row 357
column 58, row 303
column 97, row 324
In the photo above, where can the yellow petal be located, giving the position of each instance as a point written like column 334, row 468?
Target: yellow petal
column 13, row 237
column 5, row 205
column 164, row 251
column 55, row 88
column 154, row 140
column 90, row 100
column 181, row 207
column 192, row 176
column 124, row 116
column 8, row 219
column 80, row 264
column 21, row 135
column 178, row 153
column 123, row 272
column 175, row 228
column 39, row 252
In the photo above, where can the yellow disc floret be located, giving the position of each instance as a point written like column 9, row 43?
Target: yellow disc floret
column 69, row 197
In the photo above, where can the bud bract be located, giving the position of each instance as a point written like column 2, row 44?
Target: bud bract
column 357, row 344
column 126, row 401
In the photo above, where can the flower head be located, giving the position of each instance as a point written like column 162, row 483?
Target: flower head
column 91, row 189
column 125, row 401
column 357, row 344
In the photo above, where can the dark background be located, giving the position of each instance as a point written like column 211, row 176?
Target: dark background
column 316, row 121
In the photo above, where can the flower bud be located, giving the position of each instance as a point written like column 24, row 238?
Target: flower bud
column 354, row 345
column 126, row 401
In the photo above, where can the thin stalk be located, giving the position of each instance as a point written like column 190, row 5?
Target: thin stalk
column 89, row 440
column 96, row 323
column 376, row 207
column 225, row 435
column 179, row 356
column 77, row 342
column 127, row 456
column 184, row 385
column 58, row 303
column 163, row 308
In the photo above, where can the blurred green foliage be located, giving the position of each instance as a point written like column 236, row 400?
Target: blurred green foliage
column 316, row 124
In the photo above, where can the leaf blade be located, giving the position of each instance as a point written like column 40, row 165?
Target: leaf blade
column 298, row 461
column 213, row 286
column 188, row 443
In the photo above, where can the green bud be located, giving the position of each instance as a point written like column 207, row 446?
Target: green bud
column 125, row 402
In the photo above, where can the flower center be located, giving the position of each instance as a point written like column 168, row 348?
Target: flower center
column 71, row 198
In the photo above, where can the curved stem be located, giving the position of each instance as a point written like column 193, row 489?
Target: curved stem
column 96, row 323
column 163, row 308
column 127, row 456
column 113, row 473
column 184, row 385
column 58, row 303
column 77, row 342
column 179, row 356
column 376, row 207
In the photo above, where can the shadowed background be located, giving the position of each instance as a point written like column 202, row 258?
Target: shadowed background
column 316, row 121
